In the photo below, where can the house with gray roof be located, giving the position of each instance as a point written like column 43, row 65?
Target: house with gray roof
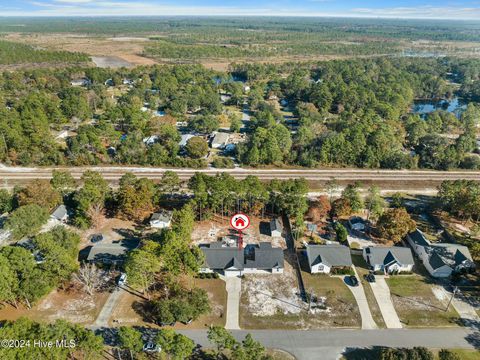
column 390, row 260
column 111, row 253
column 441, row 259
column 161, row 220
column 324, row 258
column 219, row 140
column 232, row 261
column 276, row 228
column 60, row 213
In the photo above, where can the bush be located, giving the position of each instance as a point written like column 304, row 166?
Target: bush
column 355, row 245
column 223, row 162
column 341, row 232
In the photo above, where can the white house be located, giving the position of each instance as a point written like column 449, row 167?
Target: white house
column 323, row 258
column 276, row 228
column 161, row 220
column 441, row 259
column 232, row 261
column 219, row 140
column 390, row 260
column 80, row 82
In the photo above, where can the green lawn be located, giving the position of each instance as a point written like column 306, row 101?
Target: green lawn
column 416, row 305
column 362, row 269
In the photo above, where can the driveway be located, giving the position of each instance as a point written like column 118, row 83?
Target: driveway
column 234, row 289
column 381, row 291
column 361, row 299
column 108, row 307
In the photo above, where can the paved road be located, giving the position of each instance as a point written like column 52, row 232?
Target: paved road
column 308, row 345
column 381, row 291
column 361, row 299
column 108, row 307
column 421, row 178
column 234, row 289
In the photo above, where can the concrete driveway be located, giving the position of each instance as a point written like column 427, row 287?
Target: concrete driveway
column 108, row 307
column 381, row 291
column 234, row 288
column 361, row 299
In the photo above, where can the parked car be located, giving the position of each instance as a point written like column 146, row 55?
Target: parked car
column 96, row 238
column 369, row 277
column 151, row 347
column 353, row 280
column 122, row 280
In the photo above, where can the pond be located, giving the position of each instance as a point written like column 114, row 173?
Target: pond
column 455, row 106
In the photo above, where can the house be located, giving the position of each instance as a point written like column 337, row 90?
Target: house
column 323, row 258
column 110, row 253
column 276, row 228
column 150, row 140
column 219, row 140
column 441, row 259
column 161, row 220
column 232, row 261
column 60, row 213
column 394, row 259
column 184, row 139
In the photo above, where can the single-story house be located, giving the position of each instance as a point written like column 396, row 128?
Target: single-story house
column 150, row 140
column 276, row 228
column 184, row 139
column 110, row 253
column 161, row 220
column 232, row 261
column 323, row 258
column 392, row 259
column 356, row 223
column 219, row 140
column 60, row 213
column 441, row 259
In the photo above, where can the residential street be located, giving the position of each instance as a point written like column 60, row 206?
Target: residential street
column 359, row 294
column 381, row 292
column 307, row 345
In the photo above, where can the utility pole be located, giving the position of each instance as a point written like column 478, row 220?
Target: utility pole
column 455, row 290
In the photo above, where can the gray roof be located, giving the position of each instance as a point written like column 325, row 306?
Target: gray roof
column 388, row 255
column 448, row 254
column 220, row 138
column 164, row 216
column 275, row 225
column 60, row 212
column 184, row 139
column 418, row 238
column 262, row 256
column 330, row 255
column 111, row 252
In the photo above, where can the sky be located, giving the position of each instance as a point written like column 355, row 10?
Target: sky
column 434, row 9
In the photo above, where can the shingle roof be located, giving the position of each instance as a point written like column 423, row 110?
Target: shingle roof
column 275, row 225
column 111, row 252
column 450, row 254
column 164, row 216
column 330, row 255
column 221, row 258
column 60, row 212
column 220, row 138
column 387, row 255
column 418, row 238
column 265, row 257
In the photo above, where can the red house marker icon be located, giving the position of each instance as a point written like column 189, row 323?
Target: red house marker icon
column 239, row 222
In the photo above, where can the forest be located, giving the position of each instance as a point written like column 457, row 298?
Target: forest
column 15, row 53
column 346, row 113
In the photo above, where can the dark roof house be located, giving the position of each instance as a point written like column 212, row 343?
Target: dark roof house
column 328, row 256
column 394, row 258
column 111, row 253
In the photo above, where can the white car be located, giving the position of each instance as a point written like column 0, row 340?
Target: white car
column 122, row 280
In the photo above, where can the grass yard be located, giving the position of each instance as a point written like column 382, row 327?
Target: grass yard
column 464, row 354
column 362, row 269
column 416, row 304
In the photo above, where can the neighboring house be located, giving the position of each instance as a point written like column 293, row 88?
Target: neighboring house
column 60, row 213
column 161, row 220
column 232, row 261
column 390, row 260
column 276, row 228
column 324, row 258
column 184, row 139
column 110, row 253
column 150, row 140
column 441, row 259
column 219, row 140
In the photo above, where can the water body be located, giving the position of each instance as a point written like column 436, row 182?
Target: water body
column 455, row 106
